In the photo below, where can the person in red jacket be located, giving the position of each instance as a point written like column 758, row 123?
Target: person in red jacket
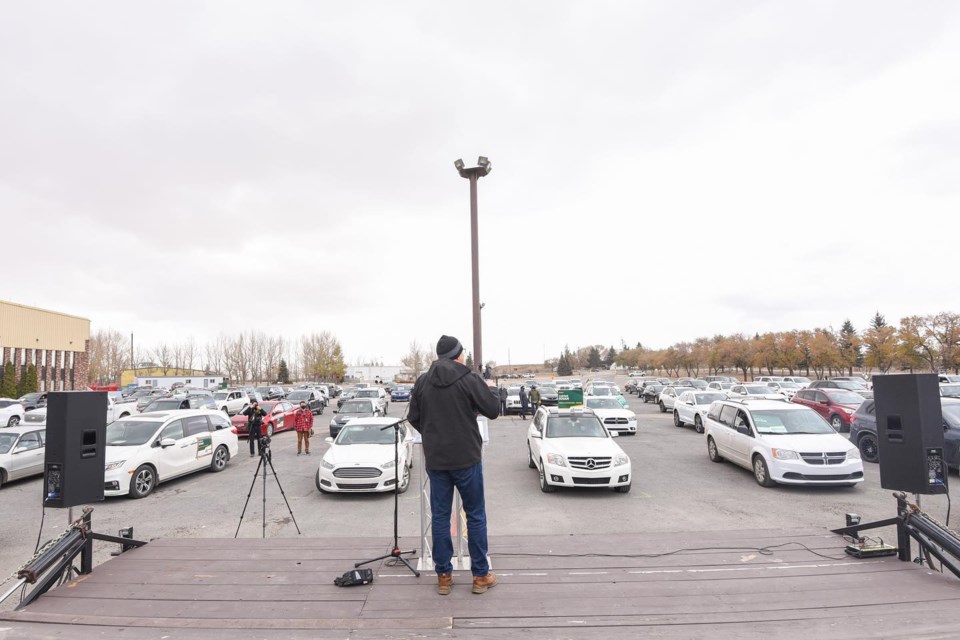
column 303, row 423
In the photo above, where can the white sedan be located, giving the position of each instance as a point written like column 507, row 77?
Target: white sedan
column 147, row 449
column 571, row 448
column 691, row 407
column 757, row 391
column 612, row 415
column 361, row 458
column 788, row 389
column 11, row 412
column 21, row 452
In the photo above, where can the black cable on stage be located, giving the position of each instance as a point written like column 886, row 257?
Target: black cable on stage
column 765, row 551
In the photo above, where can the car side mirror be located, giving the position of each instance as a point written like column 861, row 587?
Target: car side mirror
column 744, row 429
column 335, row 411
column 827, row 402
column 328, row 439
column 167, row 442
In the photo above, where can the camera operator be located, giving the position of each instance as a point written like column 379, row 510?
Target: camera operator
column 255, row 416
column 303, row 423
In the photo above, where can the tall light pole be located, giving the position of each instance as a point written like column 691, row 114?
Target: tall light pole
column 473, row 174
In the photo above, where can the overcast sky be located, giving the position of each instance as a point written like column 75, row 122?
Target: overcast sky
column 662, row 170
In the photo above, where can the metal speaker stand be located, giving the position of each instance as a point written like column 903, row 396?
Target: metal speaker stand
column 395, row 552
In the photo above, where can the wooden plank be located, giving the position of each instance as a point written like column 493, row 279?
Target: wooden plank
column 216, row 593
column 260, row 622
column 283, row 609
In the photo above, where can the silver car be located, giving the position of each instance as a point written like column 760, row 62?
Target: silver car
column 21, row 452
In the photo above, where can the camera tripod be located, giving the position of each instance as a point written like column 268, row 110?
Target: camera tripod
column 265, row 456
column 395, row 552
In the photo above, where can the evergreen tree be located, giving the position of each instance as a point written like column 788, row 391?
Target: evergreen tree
column 28, row 381
column 611, row 357
column 849, row 346
column 283, row 372
column 593, row 358
column 8, row 386
column 879, row 321
column 469, row 361
column 563, row 366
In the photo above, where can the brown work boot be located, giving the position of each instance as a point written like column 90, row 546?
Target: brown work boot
column 482, row 583
column 444, row 582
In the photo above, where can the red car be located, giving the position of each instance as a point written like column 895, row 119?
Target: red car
column 279, row 418
column 837, row 406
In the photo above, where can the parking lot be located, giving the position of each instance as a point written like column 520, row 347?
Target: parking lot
column 675, row 488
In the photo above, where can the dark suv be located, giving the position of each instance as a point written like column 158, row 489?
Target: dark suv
column 863, row 431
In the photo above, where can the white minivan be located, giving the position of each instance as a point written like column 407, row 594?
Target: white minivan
column 781, row 442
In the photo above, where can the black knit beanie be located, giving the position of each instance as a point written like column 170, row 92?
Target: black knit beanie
column 449, row 347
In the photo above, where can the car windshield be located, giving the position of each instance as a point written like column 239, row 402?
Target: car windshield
column 950, row 390
column 355, row 406
column 709, row 398
column 6, row 441
column 845, row 397
column 219, row 396
column 548, row 388
column 602, row 391
column 365, row 434
column 654, row 387
column 790, row 421
column 952, row 378
column 264, row 389
column 268, row 406
column 602, row 403
column 5, row 403
column 575, row 427
column 163, row 405
column 951, row 414
column 788, row 385
column 297, row 396
column 849, row 385
column 699, row 384
column 367, row 393
column 130, row 433
column 513, row 391
column 801, row 379
column 30, row 397
column 757, row 389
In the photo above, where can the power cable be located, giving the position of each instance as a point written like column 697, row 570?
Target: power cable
column 765, row 551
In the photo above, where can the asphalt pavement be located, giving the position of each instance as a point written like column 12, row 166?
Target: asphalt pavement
column 675, row 488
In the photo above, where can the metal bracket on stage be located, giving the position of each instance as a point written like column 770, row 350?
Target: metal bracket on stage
column 47, row 567
column 932, row 537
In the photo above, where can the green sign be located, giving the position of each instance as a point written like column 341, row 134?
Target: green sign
column 570, row 398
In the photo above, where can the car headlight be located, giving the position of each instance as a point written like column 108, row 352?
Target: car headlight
column 388, row 465
column 784, row 454
column 114, row 465
column 325, row 464
column 620, row 460
column 557, row 459
column 853, row 454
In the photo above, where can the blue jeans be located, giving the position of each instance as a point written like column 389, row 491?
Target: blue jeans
column 469, row 482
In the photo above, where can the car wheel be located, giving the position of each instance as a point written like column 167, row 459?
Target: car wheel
column 405, row 481
column 14, row 421
column 663, row 409
column 676, row 419
column 530, row 462
column 712, row 451
column 868, row 447
column 761, row 472
column 270, row 430
column 836, row 422
column 698, row 424
column 143, row 481
column 544, row 486
column 623, row 489
column 3, row 477
column 220, row 458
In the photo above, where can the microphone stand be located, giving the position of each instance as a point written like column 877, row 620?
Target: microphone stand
column 395, row 552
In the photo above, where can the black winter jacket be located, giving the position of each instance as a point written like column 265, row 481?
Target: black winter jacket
column 444, row 407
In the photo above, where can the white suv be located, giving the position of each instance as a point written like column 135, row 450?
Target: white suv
column 781, row 442
column 232, row 401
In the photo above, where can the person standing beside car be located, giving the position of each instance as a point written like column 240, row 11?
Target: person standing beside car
column 503, row 400
column 303, row 423
column 443, row 407
column 255, row 417
column 534, row 399
column 524, row 403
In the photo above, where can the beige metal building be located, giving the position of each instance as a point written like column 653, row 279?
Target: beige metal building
column 56, row 343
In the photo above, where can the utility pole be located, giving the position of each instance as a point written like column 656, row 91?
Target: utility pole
column 473, row 174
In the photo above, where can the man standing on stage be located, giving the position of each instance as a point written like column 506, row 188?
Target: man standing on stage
column 443, row 407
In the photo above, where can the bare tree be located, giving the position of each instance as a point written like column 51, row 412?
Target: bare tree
column 163, row 354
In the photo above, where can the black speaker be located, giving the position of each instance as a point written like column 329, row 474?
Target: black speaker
column 910, row 433
column 75, row 446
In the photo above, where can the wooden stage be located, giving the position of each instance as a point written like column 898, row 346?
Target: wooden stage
column 219, row 589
